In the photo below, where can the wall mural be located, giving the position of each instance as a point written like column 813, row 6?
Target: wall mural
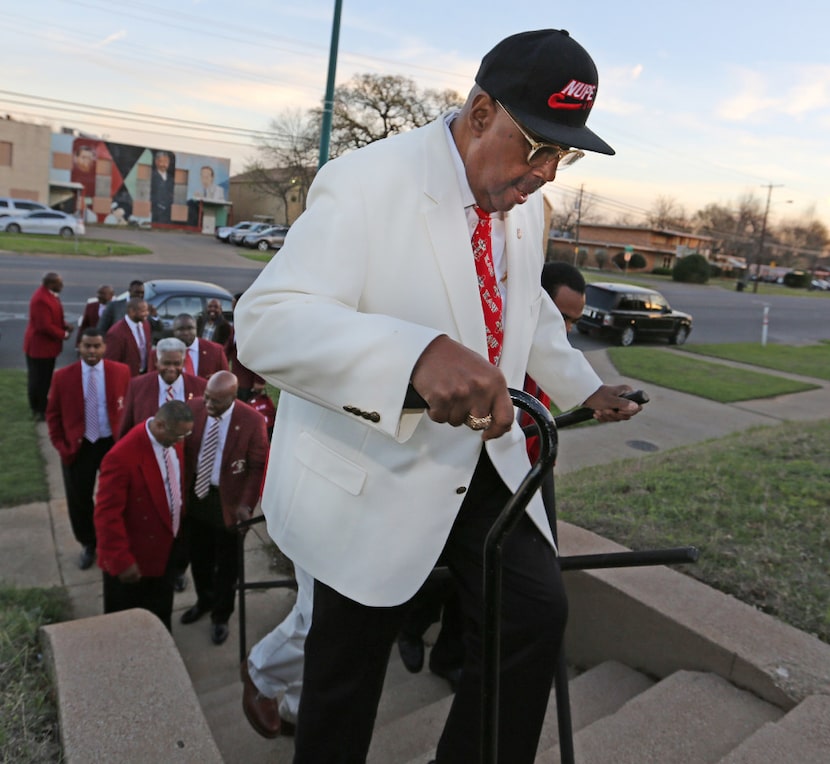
column 122, row 184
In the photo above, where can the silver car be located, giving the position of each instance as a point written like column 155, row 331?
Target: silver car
column 272, row 237
column 44, row 221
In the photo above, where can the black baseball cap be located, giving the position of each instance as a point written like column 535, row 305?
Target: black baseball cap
column 548, row 83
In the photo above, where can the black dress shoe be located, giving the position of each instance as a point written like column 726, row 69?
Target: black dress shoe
column 452, row 675
column 219, row 633
column 193, row 614
column 180, row 583
column 412, row 653
column 87, row 557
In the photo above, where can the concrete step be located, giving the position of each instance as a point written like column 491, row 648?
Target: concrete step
column 689, row 716
column 802, row 736
column 596, row 693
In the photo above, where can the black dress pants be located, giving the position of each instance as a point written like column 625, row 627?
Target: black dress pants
column 214, row 563
column 79, row 484
column 153, row 593
column 38, row 382
column 348, row 646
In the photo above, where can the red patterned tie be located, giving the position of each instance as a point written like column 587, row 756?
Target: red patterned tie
column 170, row 396
column 488, row 286
column 188, row 363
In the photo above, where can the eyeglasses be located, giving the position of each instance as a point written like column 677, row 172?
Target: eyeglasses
column 543, row 154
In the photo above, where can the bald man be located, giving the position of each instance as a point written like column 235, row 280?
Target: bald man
column 225, row 463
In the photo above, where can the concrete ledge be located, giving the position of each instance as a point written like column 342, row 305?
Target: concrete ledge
column 659, row 621
column 123, row 692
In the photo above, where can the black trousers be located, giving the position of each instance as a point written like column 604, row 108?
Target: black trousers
column 38, row 382
column 437, row 600
column 79, row 484
column 153, row 593
column 348, row 646
column 213, row 556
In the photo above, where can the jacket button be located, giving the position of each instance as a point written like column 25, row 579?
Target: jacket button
column 461, row 489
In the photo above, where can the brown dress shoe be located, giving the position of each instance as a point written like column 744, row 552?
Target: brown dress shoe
column 262, row 713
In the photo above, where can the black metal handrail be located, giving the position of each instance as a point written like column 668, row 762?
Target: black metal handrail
column 545, row 426
column 244, row 586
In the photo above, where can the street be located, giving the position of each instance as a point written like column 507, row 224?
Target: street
column 720, row 314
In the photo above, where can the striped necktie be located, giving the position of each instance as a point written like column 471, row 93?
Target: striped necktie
column 170, row 396
column 488, row 287
column 91, row 429
column 174, row 490
column 209, row 448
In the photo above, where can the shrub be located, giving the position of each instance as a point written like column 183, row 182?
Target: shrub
column 692, row 269
column 797, row 279
column 635, row 262
column 661, row 271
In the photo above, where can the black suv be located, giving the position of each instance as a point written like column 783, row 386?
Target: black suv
column 628, row 312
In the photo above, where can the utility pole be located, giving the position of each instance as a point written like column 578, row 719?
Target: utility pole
column 578, row 221
column 769, row 188
column 328, row 103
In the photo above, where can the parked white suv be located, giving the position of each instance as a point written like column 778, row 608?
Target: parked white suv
column 11, row 206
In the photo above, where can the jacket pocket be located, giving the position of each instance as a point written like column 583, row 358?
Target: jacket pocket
column 329, row 464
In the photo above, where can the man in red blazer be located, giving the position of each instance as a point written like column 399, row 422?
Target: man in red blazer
column 138, row 512
column 148, row 392
column 130, row 339
column 43, row 340
column 203, row 356
column 86, row 402
column 225, row 463
column 93, row 310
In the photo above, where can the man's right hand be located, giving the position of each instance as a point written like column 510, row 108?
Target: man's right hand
column 131, row 575
column 456, row 382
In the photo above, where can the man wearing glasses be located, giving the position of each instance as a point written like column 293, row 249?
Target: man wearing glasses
column 138, row 512
column 407, row 299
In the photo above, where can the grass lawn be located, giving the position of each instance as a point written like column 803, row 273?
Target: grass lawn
column 256, row 255
column 55, row 245
column 28, row 714
column 714, row 381
column 754, row 503
column 805, row 360
column 22, row 478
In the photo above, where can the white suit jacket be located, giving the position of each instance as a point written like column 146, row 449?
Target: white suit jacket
column 360, row 493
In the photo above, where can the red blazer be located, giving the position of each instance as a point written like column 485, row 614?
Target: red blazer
column 211, row 358
column 143, row 398
column 89, row 318
column 46, row 329
column 132, row 513
column 244, row 375
column 243, row 457
column 65, row 409
column 121, row 345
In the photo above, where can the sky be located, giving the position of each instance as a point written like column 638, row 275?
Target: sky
column 704, row 102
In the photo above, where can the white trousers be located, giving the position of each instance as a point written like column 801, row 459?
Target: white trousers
column 275, row 663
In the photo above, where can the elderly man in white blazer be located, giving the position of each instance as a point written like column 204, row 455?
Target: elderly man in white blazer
column 374, row 303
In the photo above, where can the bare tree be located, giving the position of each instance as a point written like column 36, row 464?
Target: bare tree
column 286, row 162
column 667, row 213
column 371, row 107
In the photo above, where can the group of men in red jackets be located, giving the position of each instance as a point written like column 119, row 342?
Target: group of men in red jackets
column 177, row 457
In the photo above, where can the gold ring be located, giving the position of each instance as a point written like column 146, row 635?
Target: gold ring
column 478, row 422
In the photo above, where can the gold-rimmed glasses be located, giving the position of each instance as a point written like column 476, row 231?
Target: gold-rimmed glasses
column 544, row 154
